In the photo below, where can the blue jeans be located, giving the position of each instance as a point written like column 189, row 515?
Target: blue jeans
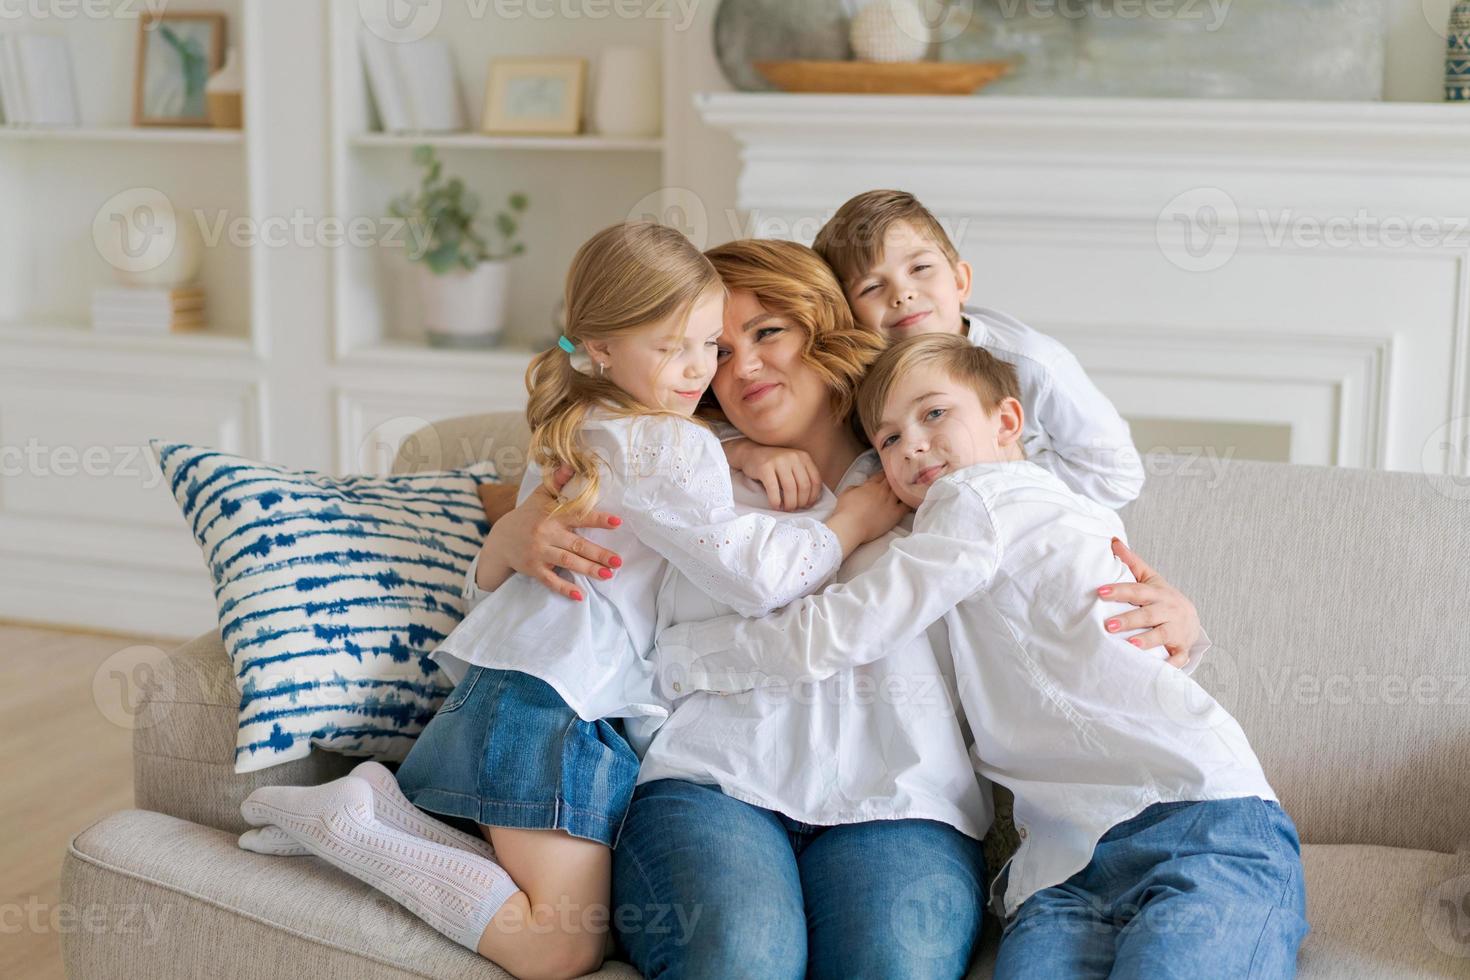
column 1189, row 890
column 707, row 886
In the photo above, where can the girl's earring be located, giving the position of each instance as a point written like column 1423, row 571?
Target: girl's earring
column 601, row 369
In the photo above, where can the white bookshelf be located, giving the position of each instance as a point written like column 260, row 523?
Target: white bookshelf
column 576, row 184
column 123, row 134
column 483, row 141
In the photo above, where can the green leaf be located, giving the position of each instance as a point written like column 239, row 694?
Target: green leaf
column 518, row 249
column 518, row 202
column 505, row 224
column 423, row 154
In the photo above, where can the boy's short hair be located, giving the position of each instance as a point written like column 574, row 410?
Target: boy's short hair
column 852, row 241
column 992, row 379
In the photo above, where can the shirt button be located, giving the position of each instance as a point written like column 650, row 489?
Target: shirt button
column 1022, row 832
column 678, row 687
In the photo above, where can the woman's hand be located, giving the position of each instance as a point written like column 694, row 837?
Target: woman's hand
column 789, row 476
column 1169, row 617
column 530, row 541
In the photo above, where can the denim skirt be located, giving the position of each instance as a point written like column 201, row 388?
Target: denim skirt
column 505, row 750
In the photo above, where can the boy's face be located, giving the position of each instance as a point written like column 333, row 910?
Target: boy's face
column 933, row 425
column 912, row 290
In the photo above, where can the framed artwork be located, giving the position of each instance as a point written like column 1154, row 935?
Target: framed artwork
column 534, row 95
column 177, row 52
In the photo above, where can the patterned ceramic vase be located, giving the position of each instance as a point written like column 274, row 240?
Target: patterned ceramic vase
column 1457, row 55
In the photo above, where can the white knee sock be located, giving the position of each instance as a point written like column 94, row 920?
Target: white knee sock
column 453, row 890
column 390, row 807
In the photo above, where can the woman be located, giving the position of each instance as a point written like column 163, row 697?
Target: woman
column 833, row 829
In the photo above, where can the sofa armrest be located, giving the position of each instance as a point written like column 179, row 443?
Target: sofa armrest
column 184, row 743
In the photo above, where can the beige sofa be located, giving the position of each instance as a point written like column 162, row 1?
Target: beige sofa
column 1338, row 603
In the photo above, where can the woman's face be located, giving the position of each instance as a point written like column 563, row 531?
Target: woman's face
column 765, row 388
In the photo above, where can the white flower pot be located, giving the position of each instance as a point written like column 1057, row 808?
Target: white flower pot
column 465, row 307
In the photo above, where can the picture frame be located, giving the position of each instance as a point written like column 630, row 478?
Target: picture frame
column 534, row 96
column 177, row 52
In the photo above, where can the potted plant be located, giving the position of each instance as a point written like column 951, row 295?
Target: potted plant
column 462, row 282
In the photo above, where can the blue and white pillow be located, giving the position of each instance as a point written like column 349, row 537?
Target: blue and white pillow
column 332, row 592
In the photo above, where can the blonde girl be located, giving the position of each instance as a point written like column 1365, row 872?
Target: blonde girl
column 539, row 742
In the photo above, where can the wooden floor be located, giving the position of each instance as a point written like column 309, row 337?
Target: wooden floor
column 66, row 762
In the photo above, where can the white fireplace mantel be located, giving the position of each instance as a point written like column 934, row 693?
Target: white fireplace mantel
column 1290, row 264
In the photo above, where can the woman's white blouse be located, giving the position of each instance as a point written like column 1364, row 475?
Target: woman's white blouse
column 669, row 481
column 879, row 742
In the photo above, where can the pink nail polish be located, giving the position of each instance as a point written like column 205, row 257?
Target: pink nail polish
column 615, row 521
column 576, row 597
column 604, row 573
column 616, row 562
column 1105, row 590
column 1135, row 641
column 1112, row 625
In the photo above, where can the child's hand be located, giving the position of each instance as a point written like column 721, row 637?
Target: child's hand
column 872, row 508
column 789, row 476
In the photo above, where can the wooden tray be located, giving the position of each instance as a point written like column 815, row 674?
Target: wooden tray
column 883, row 77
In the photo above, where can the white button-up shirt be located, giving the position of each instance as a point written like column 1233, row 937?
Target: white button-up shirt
column 882, row 741
column 1084, row 728
column 1070, row 428
column 670, row 482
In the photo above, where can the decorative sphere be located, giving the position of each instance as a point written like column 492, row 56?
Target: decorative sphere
column 890, row 30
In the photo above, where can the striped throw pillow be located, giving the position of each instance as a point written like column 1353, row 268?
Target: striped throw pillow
column 331, row 593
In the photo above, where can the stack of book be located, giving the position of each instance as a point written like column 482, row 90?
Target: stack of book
column 148, row 309
column 36, row 83
column 413, row 85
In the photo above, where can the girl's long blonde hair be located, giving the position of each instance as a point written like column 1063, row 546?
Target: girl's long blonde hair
column 626, row 276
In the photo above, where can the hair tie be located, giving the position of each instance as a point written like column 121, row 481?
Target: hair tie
column 566, row 344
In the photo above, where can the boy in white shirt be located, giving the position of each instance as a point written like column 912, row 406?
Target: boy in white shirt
column 904, row 277
column 1151, row 842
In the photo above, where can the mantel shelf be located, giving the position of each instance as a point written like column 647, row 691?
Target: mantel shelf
column 1404, row 137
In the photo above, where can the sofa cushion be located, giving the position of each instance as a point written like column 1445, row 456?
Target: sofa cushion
column 1385, row 912
column 331, row 593
column 197, row 905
